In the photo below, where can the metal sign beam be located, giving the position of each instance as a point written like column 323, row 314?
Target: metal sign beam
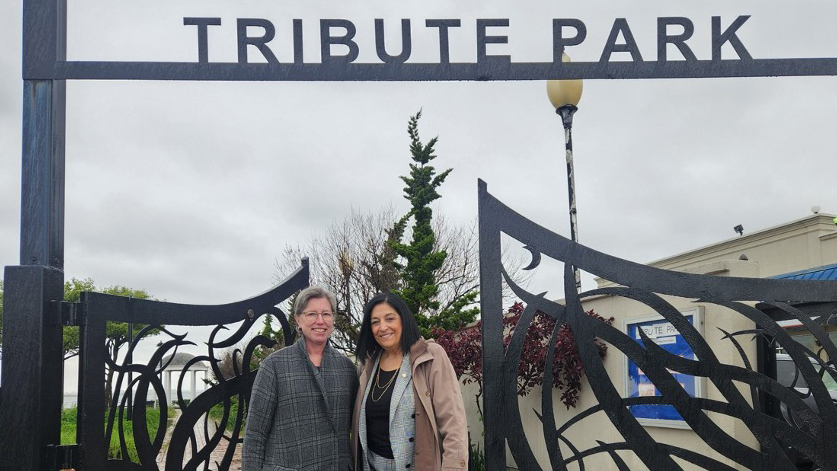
column 491, row 69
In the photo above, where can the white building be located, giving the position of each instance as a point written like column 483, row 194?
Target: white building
column 805, row 248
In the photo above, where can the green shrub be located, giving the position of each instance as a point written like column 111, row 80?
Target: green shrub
column 476, row 457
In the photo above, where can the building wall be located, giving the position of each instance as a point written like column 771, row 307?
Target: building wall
column 805, row 243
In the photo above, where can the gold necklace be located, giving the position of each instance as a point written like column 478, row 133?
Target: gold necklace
column 378, row 384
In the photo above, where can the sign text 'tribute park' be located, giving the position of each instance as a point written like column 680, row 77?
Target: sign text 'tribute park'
column 340, row 34
column 410, row 49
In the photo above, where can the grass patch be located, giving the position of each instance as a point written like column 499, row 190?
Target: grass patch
column 68, row 426
column 69, row 419
column 217, row 413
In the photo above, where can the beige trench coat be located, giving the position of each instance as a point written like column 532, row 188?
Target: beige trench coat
column 441, row 427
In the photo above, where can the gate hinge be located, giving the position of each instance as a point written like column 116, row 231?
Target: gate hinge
column 70, row 313
column 61, row 457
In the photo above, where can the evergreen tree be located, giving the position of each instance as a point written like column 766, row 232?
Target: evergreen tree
column 261, row 352
column 420, row 260
column 363, row 254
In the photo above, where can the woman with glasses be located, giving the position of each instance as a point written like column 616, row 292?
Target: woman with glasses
column 301, row 403
column 408, row 413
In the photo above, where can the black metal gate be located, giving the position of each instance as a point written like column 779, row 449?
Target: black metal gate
column 103, row 415
column 32, row 354
column 806, row 427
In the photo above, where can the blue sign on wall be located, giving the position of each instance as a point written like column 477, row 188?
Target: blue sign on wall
column 637, row 384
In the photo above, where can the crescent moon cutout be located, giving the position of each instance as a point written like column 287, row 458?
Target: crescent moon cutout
column 536, row 257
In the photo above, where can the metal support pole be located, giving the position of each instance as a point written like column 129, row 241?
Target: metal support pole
column 566, row 113
column 33, row 349
column 32, row 384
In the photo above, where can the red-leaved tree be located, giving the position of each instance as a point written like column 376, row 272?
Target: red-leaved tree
column 464, row 348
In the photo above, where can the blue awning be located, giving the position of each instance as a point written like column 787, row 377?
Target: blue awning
column 828, row 272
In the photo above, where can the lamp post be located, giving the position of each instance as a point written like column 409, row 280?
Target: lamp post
column 564, row 96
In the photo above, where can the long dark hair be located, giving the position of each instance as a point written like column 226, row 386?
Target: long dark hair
column 367, row 346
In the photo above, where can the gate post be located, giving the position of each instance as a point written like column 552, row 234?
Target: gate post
column 32, row 382
column 32, row 367
column 491, row 307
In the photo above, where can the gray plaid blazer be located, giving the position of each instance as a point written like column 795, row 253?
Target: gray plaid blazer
column 299, row 417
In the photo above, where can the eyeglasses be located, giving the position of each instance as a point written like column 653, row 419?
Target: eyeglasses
column 312, row 316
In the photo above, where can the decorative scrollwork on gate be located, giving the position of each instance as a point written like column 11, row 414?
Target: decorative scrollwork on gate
column 807, row 426
column 196, row 440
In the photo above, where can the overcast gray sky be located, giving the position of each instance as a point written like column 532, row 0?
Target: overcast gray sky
column 191, row 190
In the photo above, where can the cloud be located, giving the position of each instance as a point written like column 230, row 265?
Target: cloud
column 190, row 190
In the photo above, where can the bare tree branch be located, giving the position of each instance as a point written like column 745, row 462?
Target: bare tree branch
column 352, row 258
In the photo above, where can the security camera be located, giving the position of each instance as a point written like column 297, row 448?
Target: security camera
column 815, row 209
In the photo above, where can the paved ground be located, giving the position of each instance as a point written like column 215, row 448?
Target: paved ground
column 216, row 456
